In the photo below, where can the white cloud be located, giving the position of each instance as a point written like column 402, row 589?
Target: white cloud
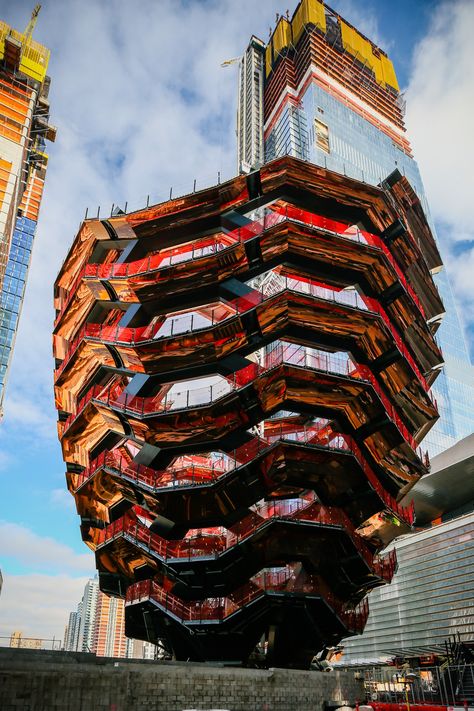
column 141, row 104
column 62, row 499
column 41, row 553
column 38, row 605
column 5, row 460
column 440, row 108
column 28, row 416
column 462, row 268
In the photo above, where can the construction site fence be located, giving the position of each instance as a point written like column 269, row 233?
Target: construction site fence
column 447, row 685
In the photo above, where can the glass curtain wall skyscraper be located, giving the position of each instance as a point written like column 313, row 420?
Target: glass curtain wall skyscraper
column 24, row 129
column 331, row 97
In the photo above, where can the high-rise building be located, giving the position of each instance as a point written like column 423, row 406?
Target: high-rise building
column 73, row 630
column 109, row 638
column 88, row 614
column 331, row 97
column 98, row 627
column 139, row 649
column 24, row 129
column 250, row 111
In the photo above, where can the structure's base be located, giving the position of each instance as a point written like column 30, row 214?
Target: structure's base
column 50, row 681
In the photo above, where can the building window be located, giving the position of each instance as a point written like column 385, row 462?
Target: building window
column 322, row 135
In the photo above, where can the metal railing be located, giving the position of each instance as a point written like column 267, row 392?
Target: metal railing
column 215, row 542
column 114, row 395
column 34, row 56
column 272, row 217
column 447, row 685
column 189, row 323
column 30, row 642
column 216, row 609
column 165, row 258
column 200, row 471
column 171, row 327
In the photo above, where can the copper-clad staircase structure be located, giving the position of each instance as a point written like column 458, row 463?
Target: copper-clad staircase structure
column 243, row 380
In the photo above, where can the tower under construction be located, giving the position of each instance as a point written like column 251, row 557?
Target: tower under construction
column 24, row 130
column 331, row 97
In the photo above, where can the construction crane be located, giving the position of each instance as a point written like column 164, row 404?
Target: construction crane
column 31, row 24
column 229, row 62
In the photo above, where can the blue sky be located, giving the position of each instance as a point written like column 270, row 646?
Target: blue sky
column 141, row 103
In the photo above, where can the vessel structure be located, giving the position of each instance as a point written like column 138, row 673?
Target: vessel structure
column 243, row 382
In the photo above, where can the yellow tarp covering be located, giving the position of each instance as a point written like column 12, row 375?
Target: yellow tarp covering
column 281, row 37
column 34, row 57
column 308, row 12
column 361, row 48
column 268, row 59
column 377, row 68
column 354, row 43
column 389, row 72
column 311, row 12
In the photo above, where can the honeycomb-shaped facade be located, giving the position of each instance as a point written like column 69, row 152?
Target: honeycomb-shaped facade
column 242, row 380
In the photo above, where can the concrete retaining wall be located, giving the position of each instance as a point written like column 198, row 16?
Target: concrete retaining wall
column 33, row 680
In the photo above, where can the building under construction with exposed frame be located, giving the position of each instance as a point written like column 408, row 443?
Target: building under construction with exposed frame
column 24, row 130
column 243, row 381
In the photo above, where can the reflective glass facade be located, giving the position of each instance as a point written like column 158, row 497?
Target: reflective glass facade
column 358, row 148
column 13, row 291
column 430, row 598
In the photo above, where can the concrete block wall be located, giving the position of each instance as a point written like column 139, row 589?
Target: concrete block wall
column 32, row 680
